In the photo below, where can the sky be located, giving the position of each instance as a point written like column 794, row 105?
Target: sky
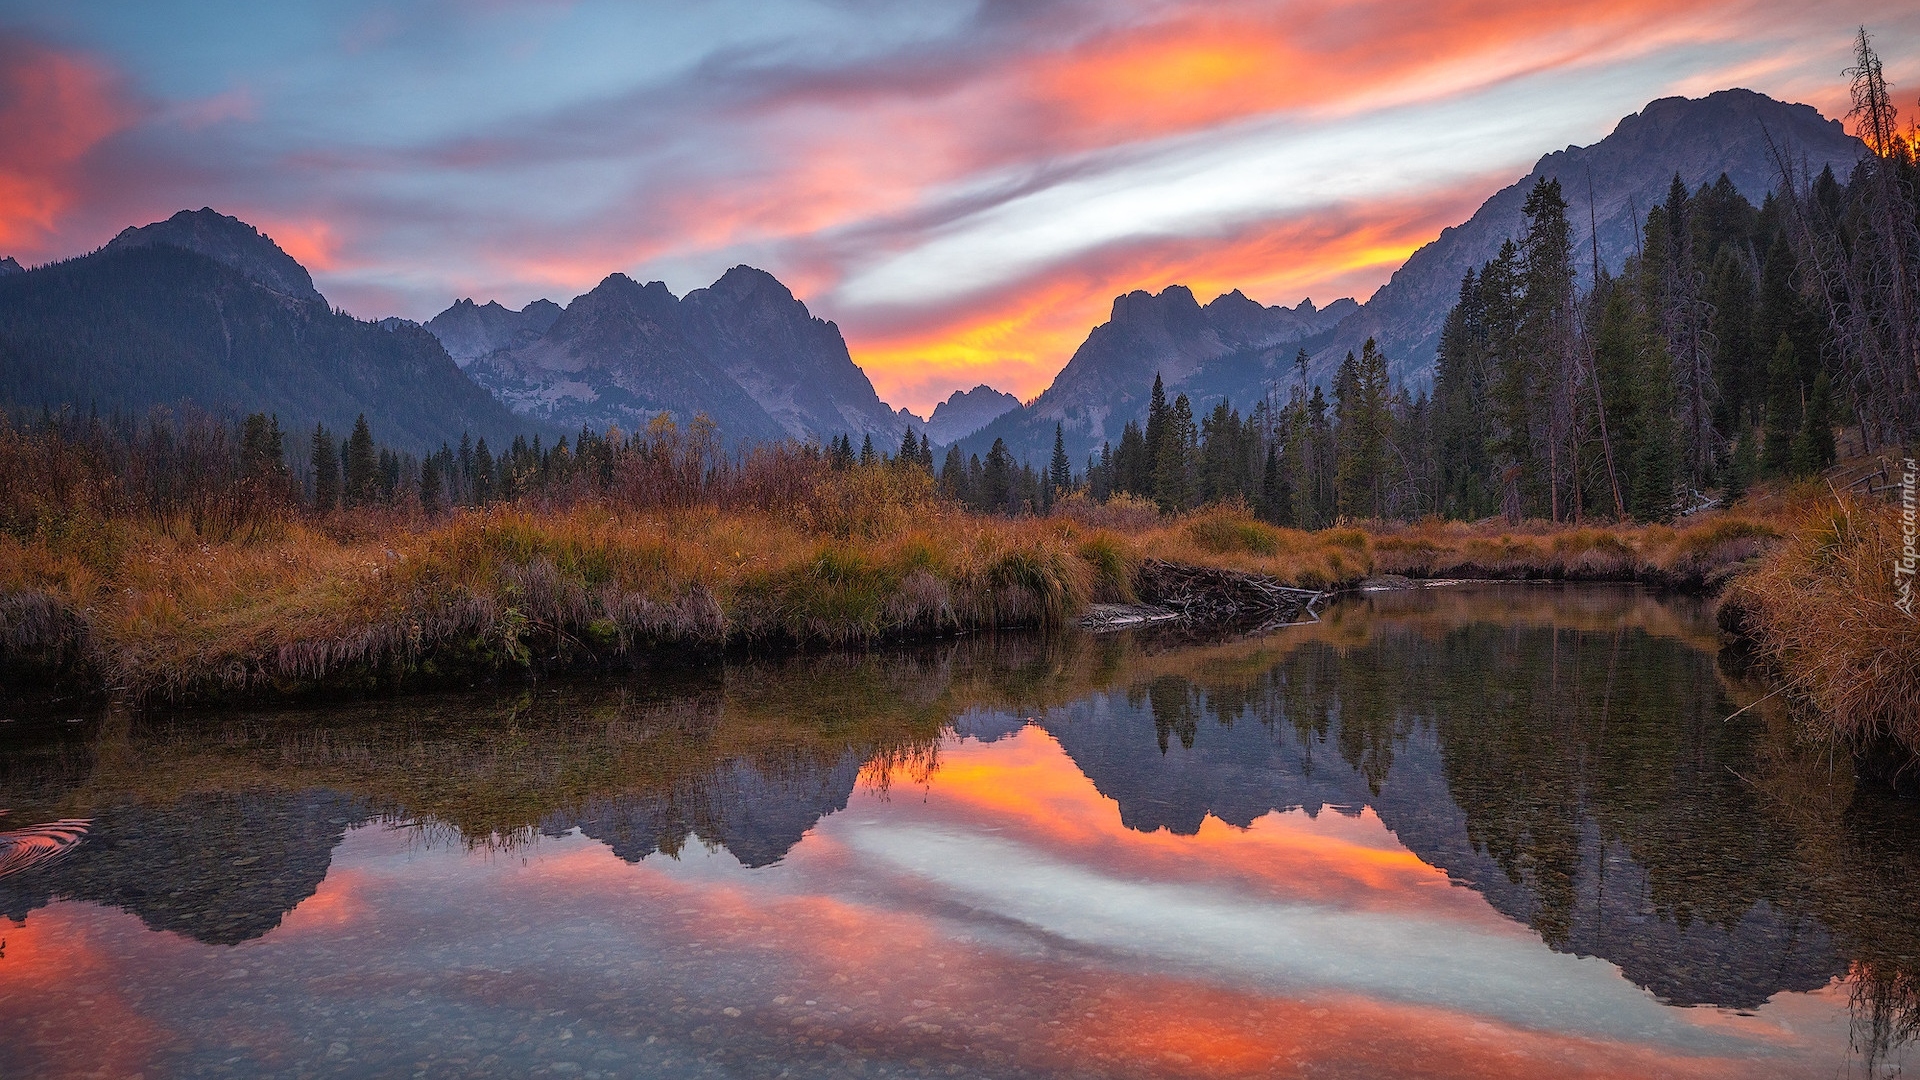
column 962, row 185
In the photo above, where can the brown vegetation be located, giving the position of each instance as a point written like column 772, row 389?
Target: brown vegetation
column 1821, row 608
column 203, row 578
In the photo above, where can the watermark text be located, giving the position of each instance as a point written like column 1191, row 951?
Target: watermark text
column 1904, row 564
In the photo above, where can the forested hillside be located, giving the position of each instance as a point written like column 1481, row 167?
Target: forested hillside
column 1734, row 345
column 136, row 326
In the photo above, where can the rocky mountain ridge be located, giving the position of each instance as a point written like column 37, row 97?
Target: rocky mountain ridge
column 743, row 351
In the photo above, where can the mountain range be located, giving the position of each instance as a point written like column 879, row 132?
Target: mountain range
column 743, row 351
column 470, row 331
column 1233, row 347
column 963, row 413
column 202, row 308
column 1237, row 352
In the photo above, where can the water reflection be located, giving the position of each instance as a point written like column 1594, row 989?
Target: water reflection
column 1430, row 834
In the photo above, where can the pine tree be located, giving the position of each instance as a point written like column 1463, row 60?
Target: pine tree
column 953, row 476
column 326, row 471
column 1781, row 422
column 867, row 456
column 1060, row 470
column 1360, row 432
column 262, row 448
column 997, row 481
column 361, row 465
column 431, row 495
column 1741, row 470
column 1813, row 448
column 1155, row 434
column 1172, row 472
column 909, row 450
column 1276, row 492
column 483, row 476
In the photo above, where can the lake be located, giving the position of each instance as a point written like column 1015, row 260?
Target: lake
column 1468, row 830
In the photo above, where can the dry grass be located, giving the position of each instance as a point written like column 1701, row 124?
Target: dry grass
column 152, row 606
column 1822, row 609
column 506, row 588
column 1701, row 555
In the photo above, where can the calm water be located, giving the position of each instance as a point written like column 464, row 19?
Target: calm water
column 1469, row 831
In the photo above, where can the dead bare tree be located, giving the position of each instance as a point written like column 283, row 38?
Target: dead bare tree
column 1860, row 261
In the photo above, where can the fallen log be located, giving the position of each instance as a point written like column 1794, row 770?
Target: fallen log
column 1215, row 595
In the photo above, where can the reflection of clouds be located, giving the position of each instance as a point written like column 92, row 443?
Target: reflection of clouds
column 1206, row 932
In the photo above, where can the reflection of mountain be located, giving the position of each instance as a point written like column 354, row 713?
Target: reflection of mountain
column 757, row 815
column 1581, row 781
column 219, row 868
column 1562, row 752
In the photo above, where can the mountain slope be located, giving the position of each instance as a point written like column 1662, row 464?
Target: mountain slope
column 230, row 242
column 145, row 322
column 620, row 355
column 795, row 366
column 1233, row 347
column 470, row 331
column 743, row 351
column 1630, row 170
column 967, row 411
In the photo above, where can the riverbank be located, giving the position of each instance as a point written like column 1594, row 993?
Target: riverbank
column 1823, row 611
column 157, row 610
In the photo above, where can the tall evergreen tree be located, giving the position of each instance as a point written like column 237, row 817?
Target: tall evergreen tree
column 1172, row 472
column 1155, row 433
column 1781, row 422
column 326, row 470
column 361, row 465
column 1060, row 469
column 997, row 479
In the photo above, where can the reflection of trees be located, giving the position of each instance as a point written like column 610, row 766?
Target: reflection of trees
column 1544, row 731
column 1590, row 762
column 1863, row 869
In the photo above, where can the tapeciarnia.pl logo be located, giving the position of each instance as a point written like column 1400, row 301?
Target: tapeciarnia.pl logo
column 1903, row 566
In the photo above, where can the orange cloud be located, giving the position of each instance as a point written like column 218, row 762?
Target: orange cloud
column 1019, row 336
column 55, row 107
column 311, row 241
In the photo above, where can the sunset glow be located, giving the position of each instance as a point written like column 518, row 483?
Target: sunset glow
column 963, row 187
column 845, row 943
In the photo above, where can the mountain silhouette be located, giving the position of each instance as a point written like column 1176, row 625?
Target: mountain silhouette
column 203, row 309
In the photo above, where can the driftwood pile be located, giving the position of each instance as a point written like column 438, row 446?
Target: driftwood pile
column 1202, row 594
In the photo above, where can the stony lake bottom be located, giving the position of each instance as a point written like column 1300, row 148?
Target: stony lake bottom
column 1472, row 831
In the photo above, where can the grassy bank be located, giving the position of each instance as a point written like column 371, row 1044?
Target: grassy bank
column 157, row 608
column 1821, row 609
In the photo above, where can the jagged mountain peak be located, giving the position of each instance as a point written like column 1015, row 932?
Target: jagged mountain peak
column 743, row 350
column 9, row 266
column 203, row 308
column 470, row 331
column 744, row 282
column 230, row 241
column 1142, row 307
column 967, row 411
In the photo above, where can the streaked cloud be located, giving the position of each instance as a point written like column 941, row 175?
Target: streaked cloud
column 963, row 185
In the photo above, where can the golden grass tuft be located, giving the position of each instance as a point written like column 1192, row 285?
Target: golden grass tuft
column 1821, row 607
